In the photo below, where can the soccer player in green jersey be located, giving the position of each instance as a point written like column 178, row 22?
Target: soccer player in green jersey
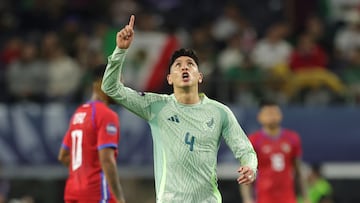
column 186, row 127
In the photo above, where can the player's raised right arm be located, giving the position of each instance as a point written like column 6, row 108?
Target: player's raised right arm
column 111, row 83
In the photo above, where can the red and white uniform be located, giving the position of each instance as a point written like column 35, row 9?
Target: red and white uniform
column 276, row 158
column 93, row 127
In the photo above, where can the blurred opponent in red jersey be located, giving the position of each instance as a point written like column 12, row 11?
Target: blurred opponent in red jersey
column 279, row 155
column 89, row 150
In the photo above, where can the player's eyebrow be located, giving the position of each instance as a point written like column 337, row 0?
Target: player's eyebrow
column 186, row 60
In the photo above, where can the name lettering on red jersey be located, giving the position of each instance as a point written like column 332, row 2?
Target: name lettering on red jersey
column 79, row 118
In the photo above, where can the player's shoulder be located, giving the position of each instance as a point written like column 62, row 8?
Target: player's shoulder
column 85, row 107
column 156, row 96
column 100, row 105
column 101, row 109
column 291, row 134
column 256, row 138
column 255, row 135
column 223, row 111
column 216, row 104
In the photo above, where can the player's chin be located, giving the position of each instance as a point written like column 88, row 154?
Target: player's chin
column 185, row 84
column 274, row 124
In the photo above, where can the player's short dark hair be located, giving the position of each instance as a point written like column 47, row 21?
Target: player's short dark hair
column 184, row 52
column 97, row 72
column 267, row 102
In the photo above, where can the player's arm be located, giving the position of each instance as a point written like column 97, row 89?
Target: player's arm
column 64, row 152
column 246, row 193
column 246, row 190
column 64, row 157
column 108, row 165
column 242, row 148
column 301, row 180
column 138, row 103
column 108, row 136
column 299, row 175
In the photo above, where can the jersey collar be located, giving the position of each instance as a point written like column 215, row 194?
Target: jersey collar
column 93, row 101
column 272, row 137
column 203, row 99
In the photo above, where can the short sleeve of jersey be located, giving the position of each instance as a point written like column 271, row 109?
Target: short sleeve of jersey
column 66, row 144
column 107, row 124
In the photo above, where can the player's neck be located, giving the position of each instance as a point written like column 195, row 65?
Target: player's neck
column 272, row 131
column 96, row 97
column 187, row 97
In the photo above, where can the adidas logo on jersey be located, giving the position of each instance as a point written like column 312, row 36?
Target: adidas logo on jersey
column 174, row 119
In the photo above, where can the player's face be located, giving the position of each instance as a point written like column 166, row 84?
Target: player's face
column 184, row 73
column 270, row 116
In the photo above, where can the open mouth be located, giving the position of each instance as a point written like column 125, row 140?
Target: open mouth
column 185, row 76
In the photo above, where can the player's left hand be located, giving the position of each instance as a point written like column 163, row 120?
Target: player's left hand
column 247, row 175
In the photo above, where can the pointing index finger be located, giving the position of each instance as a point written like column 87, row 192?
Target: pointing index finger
column 132, row 21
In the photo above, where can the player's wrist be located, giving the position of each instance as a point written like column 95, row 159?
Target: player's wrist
column 117, row 54
column 119, row 50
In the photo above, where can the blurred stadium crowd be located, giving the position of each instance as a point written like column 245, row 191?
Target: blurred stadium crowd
column 293, row 51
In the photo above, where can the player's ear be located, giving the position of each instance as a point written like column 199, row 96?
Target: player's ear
column 200, row 77
column 170, row 82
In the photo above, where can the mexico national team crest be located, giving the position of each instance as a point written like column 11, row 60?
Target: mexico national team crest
column 209, row 124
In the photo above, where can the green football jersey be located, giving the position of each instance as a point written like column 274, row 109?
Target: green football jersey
column 186, row 138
